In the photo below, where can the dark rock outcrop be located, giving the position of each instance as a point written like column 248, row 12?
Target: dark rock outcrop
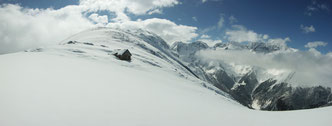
column 71, row 42
column 278, row 97
column 244, row 88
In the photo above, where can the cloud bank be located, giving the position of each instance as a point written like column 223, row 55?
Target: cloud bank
column 220, row 23
column 307, row 29
column 316, row 6
column 239, row 33
column 310, row 68
column 120, row 7
column 166, row 29
column 24, row 28
column 315, row 44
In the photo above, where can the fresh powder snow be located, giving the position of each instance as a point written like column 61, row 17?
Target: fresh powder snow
column 82, row 84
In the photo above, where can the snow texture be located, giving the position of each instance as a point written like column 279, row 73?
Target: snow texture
column 80, row 83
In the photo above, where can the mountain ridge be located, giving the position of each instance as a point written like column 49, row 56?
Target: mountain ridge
column 81, row 82
column 243, row 86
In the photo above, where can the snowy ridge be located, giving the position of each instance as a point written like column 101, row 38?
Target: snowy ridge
column 81, row 83
column 147, row 41
column 259, row 47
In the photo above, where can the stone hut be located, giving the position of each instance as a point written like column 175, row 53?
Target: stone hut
column 123, row 54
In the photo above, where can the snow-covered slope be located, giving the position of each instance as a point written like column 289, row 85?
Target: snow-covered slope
column 80, row 83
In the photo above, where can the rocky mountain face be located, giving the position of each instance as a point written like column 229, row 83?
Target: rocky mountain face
column 186, row 51
column 269, row 94
column 284, row 97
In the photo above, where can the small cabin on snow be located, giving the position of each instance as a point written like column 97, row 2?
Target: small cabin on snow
column 122, row 54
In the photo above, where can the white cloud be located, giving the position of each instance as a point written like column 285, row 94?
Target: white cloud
column 308, row 29
column 155, row 11
column 279, row 41
column 220, row 23
column 311, row 8
column 329, row 54
column 310, row 68
column 239, row 33
column 314, row 51
column 100, row 20
column 207, row 39
column 166, row 29
column 194, row 18
column 23, row 28
column 204, row 1
column 119, row 7
column 208, row 29
column 232, row 19
column 137, row 7
column 204, row 36
column 315, row 44
column 316, row 6
column 324, row 7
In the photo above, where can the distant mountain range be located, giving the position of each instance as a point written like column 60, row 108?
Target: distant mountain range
column 248, row 87
column 85, row 80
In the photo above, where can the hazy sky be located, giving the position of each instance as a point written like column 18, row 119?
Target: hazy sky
column 297, row 22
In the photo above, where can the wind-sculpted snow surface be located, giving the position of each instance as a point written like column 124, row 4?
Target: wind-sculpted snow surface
column 80, row 83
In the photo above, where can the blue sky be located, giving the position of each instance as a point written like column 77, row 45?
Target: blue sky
column 275, row 18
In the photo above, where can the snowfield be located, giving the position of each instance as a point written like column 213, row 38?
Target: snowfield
column 82, row 84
